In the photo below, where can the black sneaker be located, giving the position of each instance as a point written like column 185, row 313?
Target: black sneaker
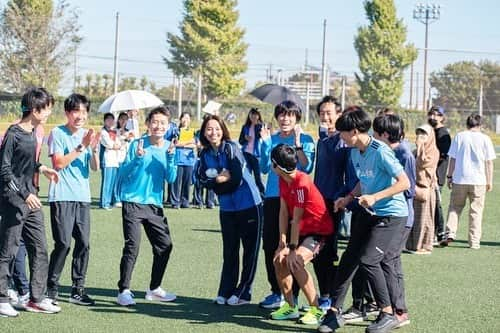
column 353, row 315
column 331, row 322
column 371, row 309
column 385, row 322
column 79, row 297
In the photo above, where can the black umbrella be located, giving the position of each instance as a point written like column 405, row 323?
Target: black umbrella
column 275, row 94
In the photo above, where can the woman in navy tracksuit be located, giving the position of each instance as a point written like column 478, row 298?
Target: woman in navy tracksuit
column 250, row 145
column 222, row 169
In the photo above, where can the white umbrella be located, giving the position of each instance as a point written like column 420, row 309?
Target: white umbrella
column 129, row 100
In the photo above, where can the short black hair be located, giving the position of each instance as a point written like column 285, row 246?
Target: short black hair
column 288, row 107
column 474, row 120
column 391, row 124
column 74, row 101
column 109, row 115
column 353, row 118
column 284, row 157
column 225, row 132
column 329, row 99
column 158, row 110
column 121, row 115
column 35, row 99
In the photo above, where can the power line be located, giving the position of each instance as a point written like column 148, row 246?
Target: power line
column 462, row 51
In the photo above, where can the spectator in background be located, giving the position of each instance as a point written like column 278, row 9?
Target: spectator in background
column 109, row 156
column 427, row 156
column 250, row 144
column 125, row 138
column 198, row 190
column 470, row 175
column 133, row 123
column 231, row 118
column 436, row 118
column 172, row 135
column 185, row 158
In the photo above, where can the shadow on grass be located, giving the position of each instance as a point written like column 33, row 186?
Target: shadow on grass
column 207, row 230
column 460, row 241
column 192, row 310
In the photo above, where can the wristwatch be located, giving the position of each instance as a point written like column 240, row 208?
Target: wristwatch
column 292, row 247
column 80, row 148
column 297, row 148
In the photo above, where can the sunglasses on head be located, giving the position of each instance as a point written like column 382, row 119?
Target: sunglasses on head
column 276, row 165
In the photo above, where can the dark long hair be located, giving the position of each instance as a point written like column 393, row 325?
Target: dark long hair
column 256, row 111
column 225, row 132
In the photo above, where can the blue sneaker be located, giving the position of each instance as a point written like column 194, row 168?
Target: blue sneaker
column 324, row 303
column 273, row 301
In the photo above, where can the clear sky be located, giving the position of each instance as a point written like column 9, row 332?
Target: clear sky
column 278, row 32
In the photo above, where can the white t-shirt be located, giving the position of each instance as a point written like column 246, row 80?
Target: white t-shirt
column 111, row 156
column 133, row 126
column 471, row 149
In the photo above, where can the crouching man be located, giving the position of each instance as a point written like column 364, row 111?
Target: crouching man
column 304, row 225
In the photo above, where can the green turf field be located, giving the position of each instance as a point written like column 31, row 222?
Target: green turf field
column 453, row 290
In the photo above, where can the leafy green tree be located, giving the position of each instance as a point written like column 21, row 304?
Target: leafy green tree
column 210, row 42
column 37, row 39
column 143, row 83
column 106, row 84
column 383, row 55
column 458, row 85
column 128, row 83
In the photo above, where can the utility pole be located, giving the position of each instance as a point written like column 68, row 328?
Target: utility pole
column 429, row 100
column 115, row 66
column 308, row 101
column 342, row 98
column 198, row 104
column 74, row 72
column 411, row 86
column 306, row 64
column 323, row 63
column 416, row 93
column 481, row 99
column 174, row 92
column 179, row 99
column 426, row 14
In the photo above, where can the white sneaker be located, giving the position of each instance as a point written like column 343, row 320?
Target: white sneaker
column 12, row 296
column 160, row 295
column 235, row 300
column 126, row 298
column 45, row 306
column 22, row 301
column 118, row 205
column 220, row 300
column 6, row 310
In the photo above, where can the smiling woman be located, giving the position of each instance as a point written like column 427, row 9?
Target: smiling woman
column 222, row 168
